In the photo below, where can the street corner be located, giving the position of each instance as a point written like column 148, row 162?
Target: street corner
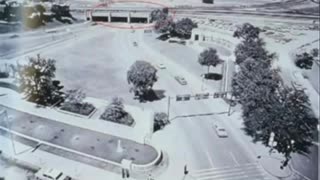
column 272, row 166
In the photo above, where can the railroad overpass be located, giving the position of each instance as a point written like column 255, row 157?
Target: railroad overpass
column 123, row 15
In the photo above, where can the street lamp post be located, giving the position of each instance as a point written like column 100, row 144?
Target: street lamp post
column 168, row 110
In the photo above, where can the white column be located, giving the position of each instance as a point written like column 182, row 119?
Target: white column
column 109, row 17
column 129, row 18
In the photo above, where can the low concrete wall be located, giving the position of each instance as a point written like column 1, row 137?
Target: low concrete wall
column 145, row 168
column 20, row 163
column 9, row 85
column 314, row 75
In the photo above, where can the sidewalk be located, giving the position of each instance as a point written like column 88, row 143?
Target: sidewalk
column 33, row 122
column 42, row 159
column 271, row 162
column 143, row 117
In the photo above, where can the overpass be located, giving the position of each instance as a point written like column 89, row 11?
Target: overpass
column 124, row 15
column 145, row 12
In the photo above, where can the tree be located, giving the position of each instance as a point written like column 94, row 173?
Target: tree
column 247, row 32
column 75, row 96
column 183, row 28
column 209, row 57
column 160, row 121
column 36, row 81
column 294, row 123
column 158, row 14
column 164, row 25
column 254, row 49
column 268, row 107
column 142, row 75
column 253, row 82
column 115, row 112
column 304, row 60
column 163, row 22
column 315, row 52
column 288, row 117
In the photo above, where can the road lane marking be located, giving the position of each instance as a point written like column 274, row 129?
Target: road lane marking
column 234, row 158
column 209, row 158
column 204, row 149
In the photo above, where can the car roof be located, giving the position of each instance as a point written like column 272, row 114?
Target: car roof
column 52, row 172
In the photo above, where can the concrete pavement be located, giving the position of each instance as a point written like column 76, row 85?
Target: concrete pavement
column 85, row 141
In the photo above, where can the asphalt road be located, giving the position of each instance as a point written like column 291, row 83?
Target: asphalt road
column 209, row 150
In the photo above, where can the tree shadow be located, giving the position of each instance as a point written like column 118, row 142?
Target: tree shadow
column 152, row 95
column 213, row 76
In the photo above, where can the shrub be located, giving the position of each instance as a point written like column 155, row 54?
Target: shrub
column 160, row 121
column 304, row 61
column 75, row 96
column 78, row 108
column 115, row 112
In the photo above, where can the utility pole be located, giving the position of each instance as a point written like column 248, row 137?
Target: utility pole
column 168, row 110
column 229, row 110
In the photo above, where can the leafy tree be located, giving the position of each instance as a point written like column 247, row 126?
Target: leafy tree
column 287, row 115
column 209, row 57
column 253, row 82
column 158, row 14
column 315, row 52
column 160, row 121
column 37, row 81
column 268, row 107
column 183, row 28
column 75, row 96
column 304, row 60
column 163, row 22
column 115, row 112
column 294, row 123
column 40, row 8
column 60, row 11
column 164, row 25
column 254, row 49
column 142, row 75
column 247, row 32
column 74, row 103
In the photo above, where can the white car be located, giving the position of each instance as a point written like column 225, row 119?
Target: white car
column 221, row 131
column 181, row 80
column 135, row 44
column 161, row 66
column 51, row 174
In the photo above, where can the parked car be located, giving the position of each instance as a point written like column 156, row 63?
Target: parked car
column 51, row 174
column 161, row 66
column 135, row 43
column 13, row 36
column 178, row 41
column 181, row 80
column 220, row 130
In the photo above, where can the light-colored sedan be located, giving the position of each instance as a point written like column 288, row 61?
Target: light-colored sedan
column 161, row 66
column 135, row 44
column 181, row 80
column 221, row 131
